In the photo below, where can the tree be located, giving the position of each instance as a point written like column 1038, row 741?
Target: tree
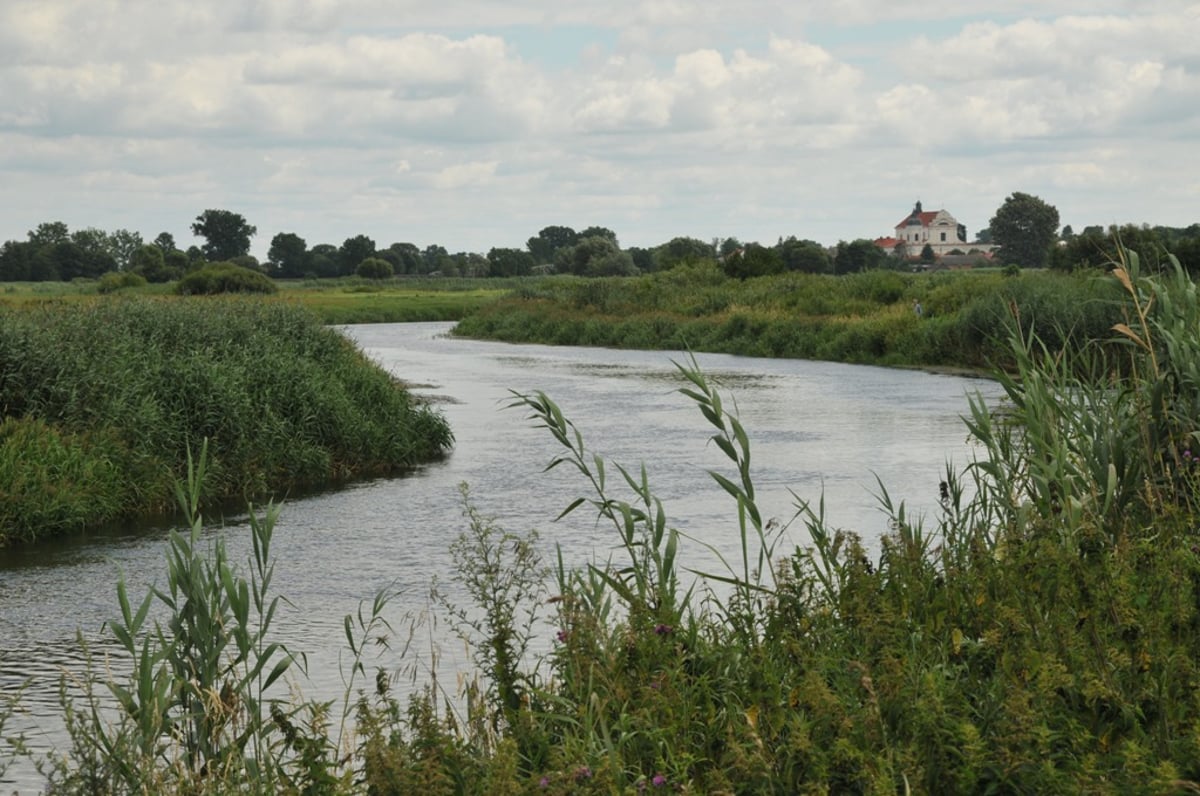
column 49, row 232
column 323, row 261
column 927, row 255
column 354, row 251
column 681, row 250
column 165, row 241
column 595, row 256
column 806, row 256
column 121, row 244
column 857, row 255
column 1025, row 228
column 226, row 234
column 406, row 258
column 288, row 255
column 150, row 262
column 544, row 247
column 510, row 262
column 597, row 232
column 753, row 259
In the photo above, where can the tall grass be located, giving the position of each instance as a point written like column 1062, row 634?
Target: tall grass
column 99, row 400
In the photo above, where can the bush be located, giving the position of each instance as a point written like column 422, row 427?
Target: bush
column 374, row 268
column 119, row 280
column 214, row 278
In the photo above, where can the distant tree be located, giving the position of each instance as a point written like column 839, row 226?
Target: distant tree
column 435, row 259
column 49, row 232
column 354, row 251
column 595, row 256
column 681, row 250
column 1067, row 233
column 150, row 263
column 195, row 255
column 288, row 255
column 806, row 256
column 729, row 246
column 471, row 265
column 374, row 268
column 857, row 255
column 68, row 260
column 962, row 233
column 643, row 259
column 752, row 260
column 984, row 236
column 16, row 261
column 1025, row 227
column 226, row 234
column 165, row 241
column 597, row 232
column 121, row 244
column 406, row 258
column 510, row 262
column 927, row 255
column 247, row 261
column 545, row 245
column 323, row 261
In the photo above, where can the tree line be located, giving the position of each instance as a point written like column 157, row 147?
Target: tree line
column 1025, row 228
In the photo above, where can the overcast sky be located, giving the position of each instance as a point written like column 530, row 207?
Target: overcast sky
column 474, row 124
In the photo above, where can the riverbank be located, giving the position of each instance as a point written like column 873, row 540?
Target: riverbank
column 104, row 400
column 865, row 318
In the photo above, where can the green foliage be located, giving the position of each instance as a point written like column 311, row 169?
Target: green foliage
column 119, row 280
column 226, row 234
column 1025, row 227
column 216, row 278
column 100, row 400
column 374, row 268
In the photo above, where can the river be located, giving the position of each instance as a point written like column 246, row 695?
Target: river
column 815, row 428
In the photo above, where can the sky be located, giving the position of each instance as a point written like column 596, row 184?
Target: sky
column 473, row 124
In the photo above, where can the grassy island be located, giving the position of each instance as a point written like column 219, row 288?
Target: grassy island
column 102, row 400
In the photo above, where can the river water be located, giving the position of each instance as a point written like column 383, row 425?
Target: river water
column 815, row 428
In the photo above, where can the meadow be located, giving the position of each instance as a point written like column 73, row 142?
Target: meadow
column 1040, row 635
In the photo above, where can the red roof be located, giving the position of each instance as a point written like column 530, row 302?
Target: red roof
column 887, row 243
column 926, row 217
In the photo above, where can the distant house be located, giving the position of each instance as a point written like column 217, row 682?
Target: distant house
column 941, row 232
column 937, row 228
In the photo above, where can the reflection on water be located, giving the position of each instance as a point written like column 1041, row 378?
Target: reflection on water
column 815, row 428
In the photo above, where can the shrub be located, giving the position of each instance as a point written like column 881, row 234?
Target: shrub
column 214, row 278
column 374, row 268
column 113, row 281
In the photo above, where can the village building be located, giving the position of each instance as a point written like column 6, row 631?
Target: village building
column 937, row 229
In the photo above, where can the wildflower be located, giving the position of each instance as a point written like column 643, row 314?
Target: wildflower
column 582, row 773
column 658, row 781
column 544, row 782
column 562, row 636
column 663, row 630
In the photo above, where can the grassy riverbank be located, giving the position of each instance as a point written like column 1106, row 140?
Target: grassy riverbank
column 333, row 301
column 861, row 318
column 103, row 399
column 1040, row 635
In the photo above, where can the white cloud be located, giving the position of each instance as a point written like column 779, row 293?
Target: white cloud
column 672, row 117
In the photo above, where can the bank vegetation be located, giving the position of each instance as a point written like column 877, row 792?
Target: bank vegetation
column 869, row 317
column 100, row 401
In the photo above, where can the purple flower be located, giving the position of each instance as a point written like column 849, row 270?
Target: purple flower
column 663, row 630
column 562, row 636
column 583, row 772
column 544, row 782
column 658, row 781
